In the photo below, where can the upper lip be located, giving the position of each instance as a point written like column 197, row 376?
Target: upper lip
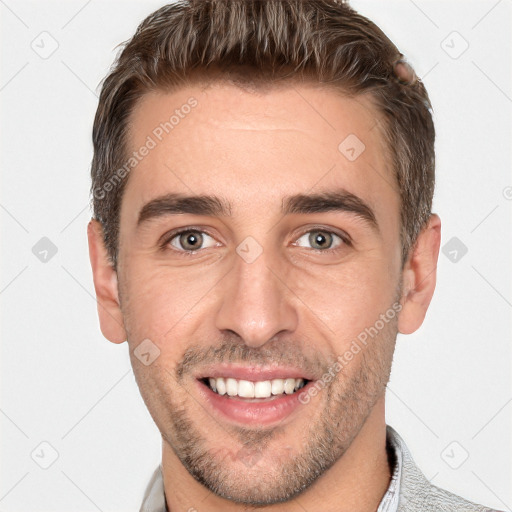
column 253, row 372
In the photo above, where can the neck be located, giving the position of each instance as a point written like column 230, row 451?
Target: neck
column 357, row 481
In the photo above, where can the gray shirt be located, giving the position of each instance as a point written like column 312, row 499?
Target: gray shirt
column 408, row 490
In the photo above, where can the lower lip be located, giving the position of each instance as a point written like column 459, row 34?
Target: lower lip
column 264, row 412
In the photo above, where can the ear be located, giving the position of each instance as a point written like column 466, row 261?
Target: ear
column 419, row 277
column 105, row 284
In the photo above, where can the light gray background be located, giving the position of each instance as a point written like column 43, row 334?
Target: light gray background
column 63, row 383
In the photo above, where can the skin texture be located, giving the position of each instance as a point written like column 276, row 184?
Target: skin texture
column 293, row 304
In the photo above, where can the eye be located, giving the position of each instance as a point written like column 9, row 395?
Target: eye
column 321, row 240
column 190, row 240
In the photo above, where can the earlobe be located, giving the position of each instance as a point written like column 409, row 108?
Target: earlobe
column 105, row 285
column 419, row 277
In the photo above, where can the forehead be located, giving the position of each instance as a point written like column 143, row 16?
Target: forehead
column 255, row 147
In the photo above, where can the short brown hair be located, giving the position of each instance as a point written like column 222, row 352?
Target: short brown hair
column 264, row 41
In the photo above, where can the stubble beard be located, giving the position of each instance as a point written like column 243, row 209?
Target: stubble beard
column 269, row 476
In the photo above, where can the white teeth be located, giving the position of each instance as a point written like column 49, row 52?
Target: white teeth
column 262, row 389
column 245, row 389
column 277, row 386
column 231, row 387
column 289, row 386
column 221, row 385
column 259, row 389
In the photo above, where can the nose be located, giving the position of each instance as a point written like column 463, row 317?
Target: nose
column 256, row 303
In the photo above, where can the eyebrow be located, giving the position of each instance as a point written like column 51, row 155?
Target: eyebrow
column 338, row 200
column 213, row 206
column 175, row 204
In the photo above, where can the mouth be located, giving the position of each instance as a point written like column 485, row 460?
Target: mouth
column 252, row 395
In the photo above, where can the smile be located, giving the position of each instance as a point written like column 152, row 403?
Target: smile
column 252, row 395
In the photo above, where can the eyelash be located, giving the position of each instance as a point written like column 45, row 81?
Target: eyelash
column 164, row 246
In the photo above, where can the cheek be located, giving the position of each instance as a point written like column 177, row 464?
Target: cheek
column 349, row 297
column 161, row 302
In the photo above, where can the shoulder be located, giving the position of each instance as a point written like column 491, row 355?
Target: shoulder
column 418, row 494
column 154, row 496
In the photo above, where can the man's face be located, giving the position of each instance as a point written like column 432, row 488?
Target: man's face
column 261, row 292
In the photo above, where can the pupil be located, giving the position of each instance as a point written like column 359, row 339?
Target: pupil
column 190, row 240
column 319, row 239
